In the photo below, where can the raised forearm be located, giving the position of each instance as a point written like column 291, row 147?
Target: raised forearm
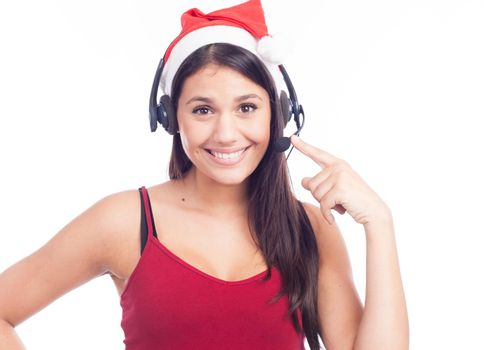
column 9, row 339
column 384, row 324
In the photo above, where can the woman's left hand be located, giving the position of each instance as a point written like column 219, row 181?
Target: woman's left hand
column 339, row 187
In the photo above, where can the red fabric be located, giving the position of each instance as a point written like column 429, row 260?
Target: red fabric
column 248, row 15
column 170, row 304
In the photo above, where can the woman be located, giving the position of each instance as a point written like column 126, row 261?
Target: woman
column 227, row 257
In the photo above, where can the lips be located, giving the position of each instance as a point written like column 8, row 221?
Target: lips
column 225, row 150
column 227, row 161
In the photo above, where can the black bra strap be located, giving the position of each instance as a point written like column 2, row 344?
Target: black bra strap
column 144, row 216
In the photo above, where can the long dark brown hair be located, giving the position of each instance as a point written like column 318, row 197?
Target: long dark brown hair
column 277, row 220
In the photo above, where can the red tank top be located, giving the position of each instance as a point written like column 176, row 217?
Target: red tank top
column 170, row 304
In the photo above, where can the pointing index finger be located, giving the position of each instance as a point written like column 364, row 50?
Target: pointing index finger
column 318, row 155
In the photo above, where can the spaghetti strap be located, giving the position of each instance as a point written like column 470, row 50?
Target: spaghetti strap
column 147, row 221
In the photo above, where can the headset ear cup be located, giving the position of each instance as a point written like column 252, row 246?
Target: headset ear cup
column 166, row 115
column 286, row 107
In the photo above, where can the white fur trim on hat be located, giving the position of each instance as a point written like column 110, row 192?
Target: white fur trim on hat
column 209, row 35
column 275, row 48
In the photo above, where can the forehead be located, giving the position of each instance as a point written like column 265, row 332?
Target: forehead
column 222, row 79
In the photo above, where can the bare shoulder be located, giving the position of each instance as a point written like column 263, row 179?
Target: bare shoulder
column 117, row 217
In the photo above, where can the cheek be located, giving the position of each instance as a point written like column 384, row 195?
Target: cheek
column 192, row 137
column 189, row 142
column 262, row 132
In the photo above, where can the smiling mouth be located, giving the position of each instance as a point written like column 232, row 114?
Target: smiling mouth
column 231, row 155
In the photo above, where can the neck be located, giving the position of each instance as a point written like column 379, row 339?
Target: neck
column 212, row 197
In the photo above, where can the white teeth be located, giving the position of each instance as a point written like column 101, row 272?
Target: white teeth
column 227, row 155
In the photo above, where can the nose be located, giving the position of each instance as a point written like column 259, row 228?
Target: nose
column 225, row 129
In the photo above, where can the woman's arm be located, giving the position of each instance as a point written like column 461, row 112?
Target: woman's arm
column 384, row 324
column 84, row 249
column 345, row 324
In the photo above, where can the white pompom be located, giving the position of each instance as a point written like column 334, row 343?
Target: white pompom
column 275, row 49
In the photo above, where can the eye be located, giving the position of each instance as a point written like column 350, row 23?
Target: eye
column 202, row 110
column 248, row 107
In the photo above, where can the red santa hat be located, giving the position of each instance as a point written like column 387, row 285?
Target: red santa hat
column 242, row 25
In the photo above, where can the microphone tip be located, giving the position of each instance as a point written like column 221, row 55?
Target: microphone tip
column 282, row 144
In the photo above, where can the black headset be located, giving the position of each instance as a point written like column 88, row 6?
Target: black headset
column 164, row 112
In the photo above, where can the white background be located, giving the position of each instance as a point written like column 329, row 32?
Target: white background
column 394, row 87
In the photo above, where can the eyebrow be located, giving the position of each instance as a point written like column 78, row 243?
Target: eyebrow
column 209, row 100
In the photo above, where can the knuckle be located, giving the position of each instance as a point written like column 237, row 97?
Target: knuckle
column 340, row 172
column 342, row 163
column 342, row 167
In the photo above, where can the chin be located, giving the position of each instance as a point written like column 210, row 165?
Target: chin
column 235, row 179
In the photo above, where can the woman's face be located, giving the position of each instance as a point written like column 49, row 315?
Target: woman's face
column 224, row 123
